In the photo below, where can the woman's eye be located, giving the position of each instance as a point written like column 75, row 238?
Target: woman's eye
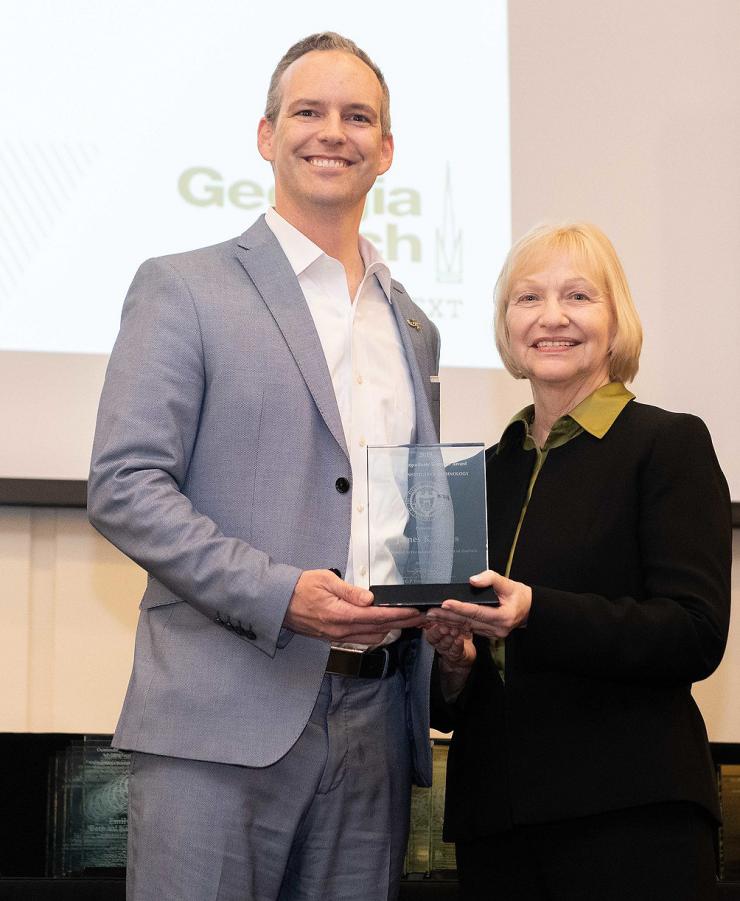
column 526, row 298
column 579, row 295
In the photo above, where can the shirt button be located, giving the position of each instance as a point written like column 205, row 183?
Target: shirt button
column 360, row 508
column 342, row 485
column 362, row 442
column 363, row 570
column 359, row 379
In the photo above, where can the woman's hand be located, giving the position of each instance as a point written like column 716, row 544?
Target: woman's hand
column 515, row 599
column 456, row 655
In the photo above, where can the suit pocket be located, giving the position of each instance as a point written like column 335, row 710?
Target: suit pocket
column 156, row 595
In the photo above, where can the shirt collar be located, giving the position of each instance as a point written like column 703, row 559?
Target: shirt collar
column 598, row 412
column 595, row 415
column 375, row 265
column 300, row 250
column 303, row 253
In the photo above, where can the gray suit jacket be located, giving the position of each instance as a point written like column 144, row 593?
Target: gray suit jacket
column 217, row 450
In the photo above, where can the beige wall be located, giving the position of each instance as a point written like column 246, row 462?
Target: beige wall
column 625, row 113
column 68, row 613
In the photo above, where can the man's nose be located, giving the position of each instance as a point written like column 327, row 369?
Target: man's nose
column 332, row 129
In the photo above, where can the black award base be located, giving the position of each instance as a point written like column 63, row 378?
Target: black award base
column 424, row 596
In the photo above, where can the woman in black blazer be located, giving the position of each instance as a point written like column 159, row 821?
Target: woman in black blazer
column 579, row 768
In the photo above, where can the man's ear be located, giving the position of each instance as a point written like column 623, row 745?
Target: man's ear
column 386, row 154
column 265, row 133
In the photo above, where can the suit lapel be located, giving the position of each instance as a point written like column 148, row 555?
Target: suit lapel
column 420, row 366
column 264, row 261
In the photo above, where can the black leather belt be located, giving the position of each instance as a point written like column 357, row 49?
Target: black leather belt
column 376, row 664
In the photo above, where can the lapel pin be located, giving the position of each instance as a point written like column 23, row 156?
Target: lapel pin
column 414, row 323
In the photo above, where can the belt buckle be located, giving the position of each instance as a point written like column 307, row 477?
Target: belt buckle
column 355, row 660
column 349, row 662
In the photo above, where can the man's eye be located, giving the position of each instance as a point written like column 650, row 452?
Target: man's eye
column 306, row 113
column 359, row 117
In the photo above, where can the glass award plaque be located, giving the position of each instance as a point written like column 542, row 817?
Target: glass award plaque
column 427, row 525
column 419, row 841
column 87, row 819
column 729, row 833
column 427, row 854
column 442, row 857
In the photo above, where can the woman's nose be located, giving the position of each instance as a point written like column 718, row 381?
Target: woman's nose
column 552, row 313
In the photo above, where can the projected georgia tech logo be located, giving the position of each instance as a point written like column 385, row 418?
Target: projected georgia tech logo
column 204, row 186
column 391, row 220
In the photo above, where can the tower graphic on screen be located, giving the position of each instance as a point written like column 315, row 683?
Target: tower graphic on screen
column 448, row 243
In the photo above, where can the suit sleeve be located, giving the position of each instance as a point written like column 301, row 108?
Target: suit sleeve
column 678, row 630
column 147, row 425
column 446, row 715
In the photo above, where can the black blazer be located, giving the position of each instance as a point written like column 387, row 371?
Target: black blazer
column 627, row 546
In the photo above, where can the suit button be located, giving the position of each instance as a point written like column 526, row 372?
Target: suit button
column 251, row 635
column 342, row 485
column 333, row 569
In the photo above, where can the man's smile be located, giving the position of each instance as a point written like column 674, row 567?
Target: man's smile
column 323, row 162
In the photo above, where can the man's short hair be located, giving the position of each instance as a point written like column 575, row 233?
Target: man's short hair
column 325, row 40
column 591, row 249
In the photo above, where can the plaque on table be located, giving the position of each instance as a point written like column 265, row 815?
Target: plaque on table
column 88, row 797
column 441, row 853
column 427, row 853
column 729, row 833
column 417, row 860
column 427, row 525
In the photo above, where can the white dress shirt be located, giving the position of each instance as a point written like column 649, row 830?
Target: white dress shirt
column 367, row 364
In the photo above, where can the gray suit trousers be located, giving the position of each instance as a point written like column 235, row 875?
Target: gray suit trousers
column 326, row 822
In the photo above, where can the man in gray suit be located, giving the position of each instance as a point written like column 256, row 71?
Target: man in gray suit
column 276, row 716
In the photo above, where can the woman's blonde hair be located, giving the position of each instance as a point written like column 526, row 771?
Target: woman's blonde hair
column 591, row 248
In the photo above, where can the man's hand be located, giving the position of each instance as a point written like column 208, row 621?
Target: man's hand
column 324, row 606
